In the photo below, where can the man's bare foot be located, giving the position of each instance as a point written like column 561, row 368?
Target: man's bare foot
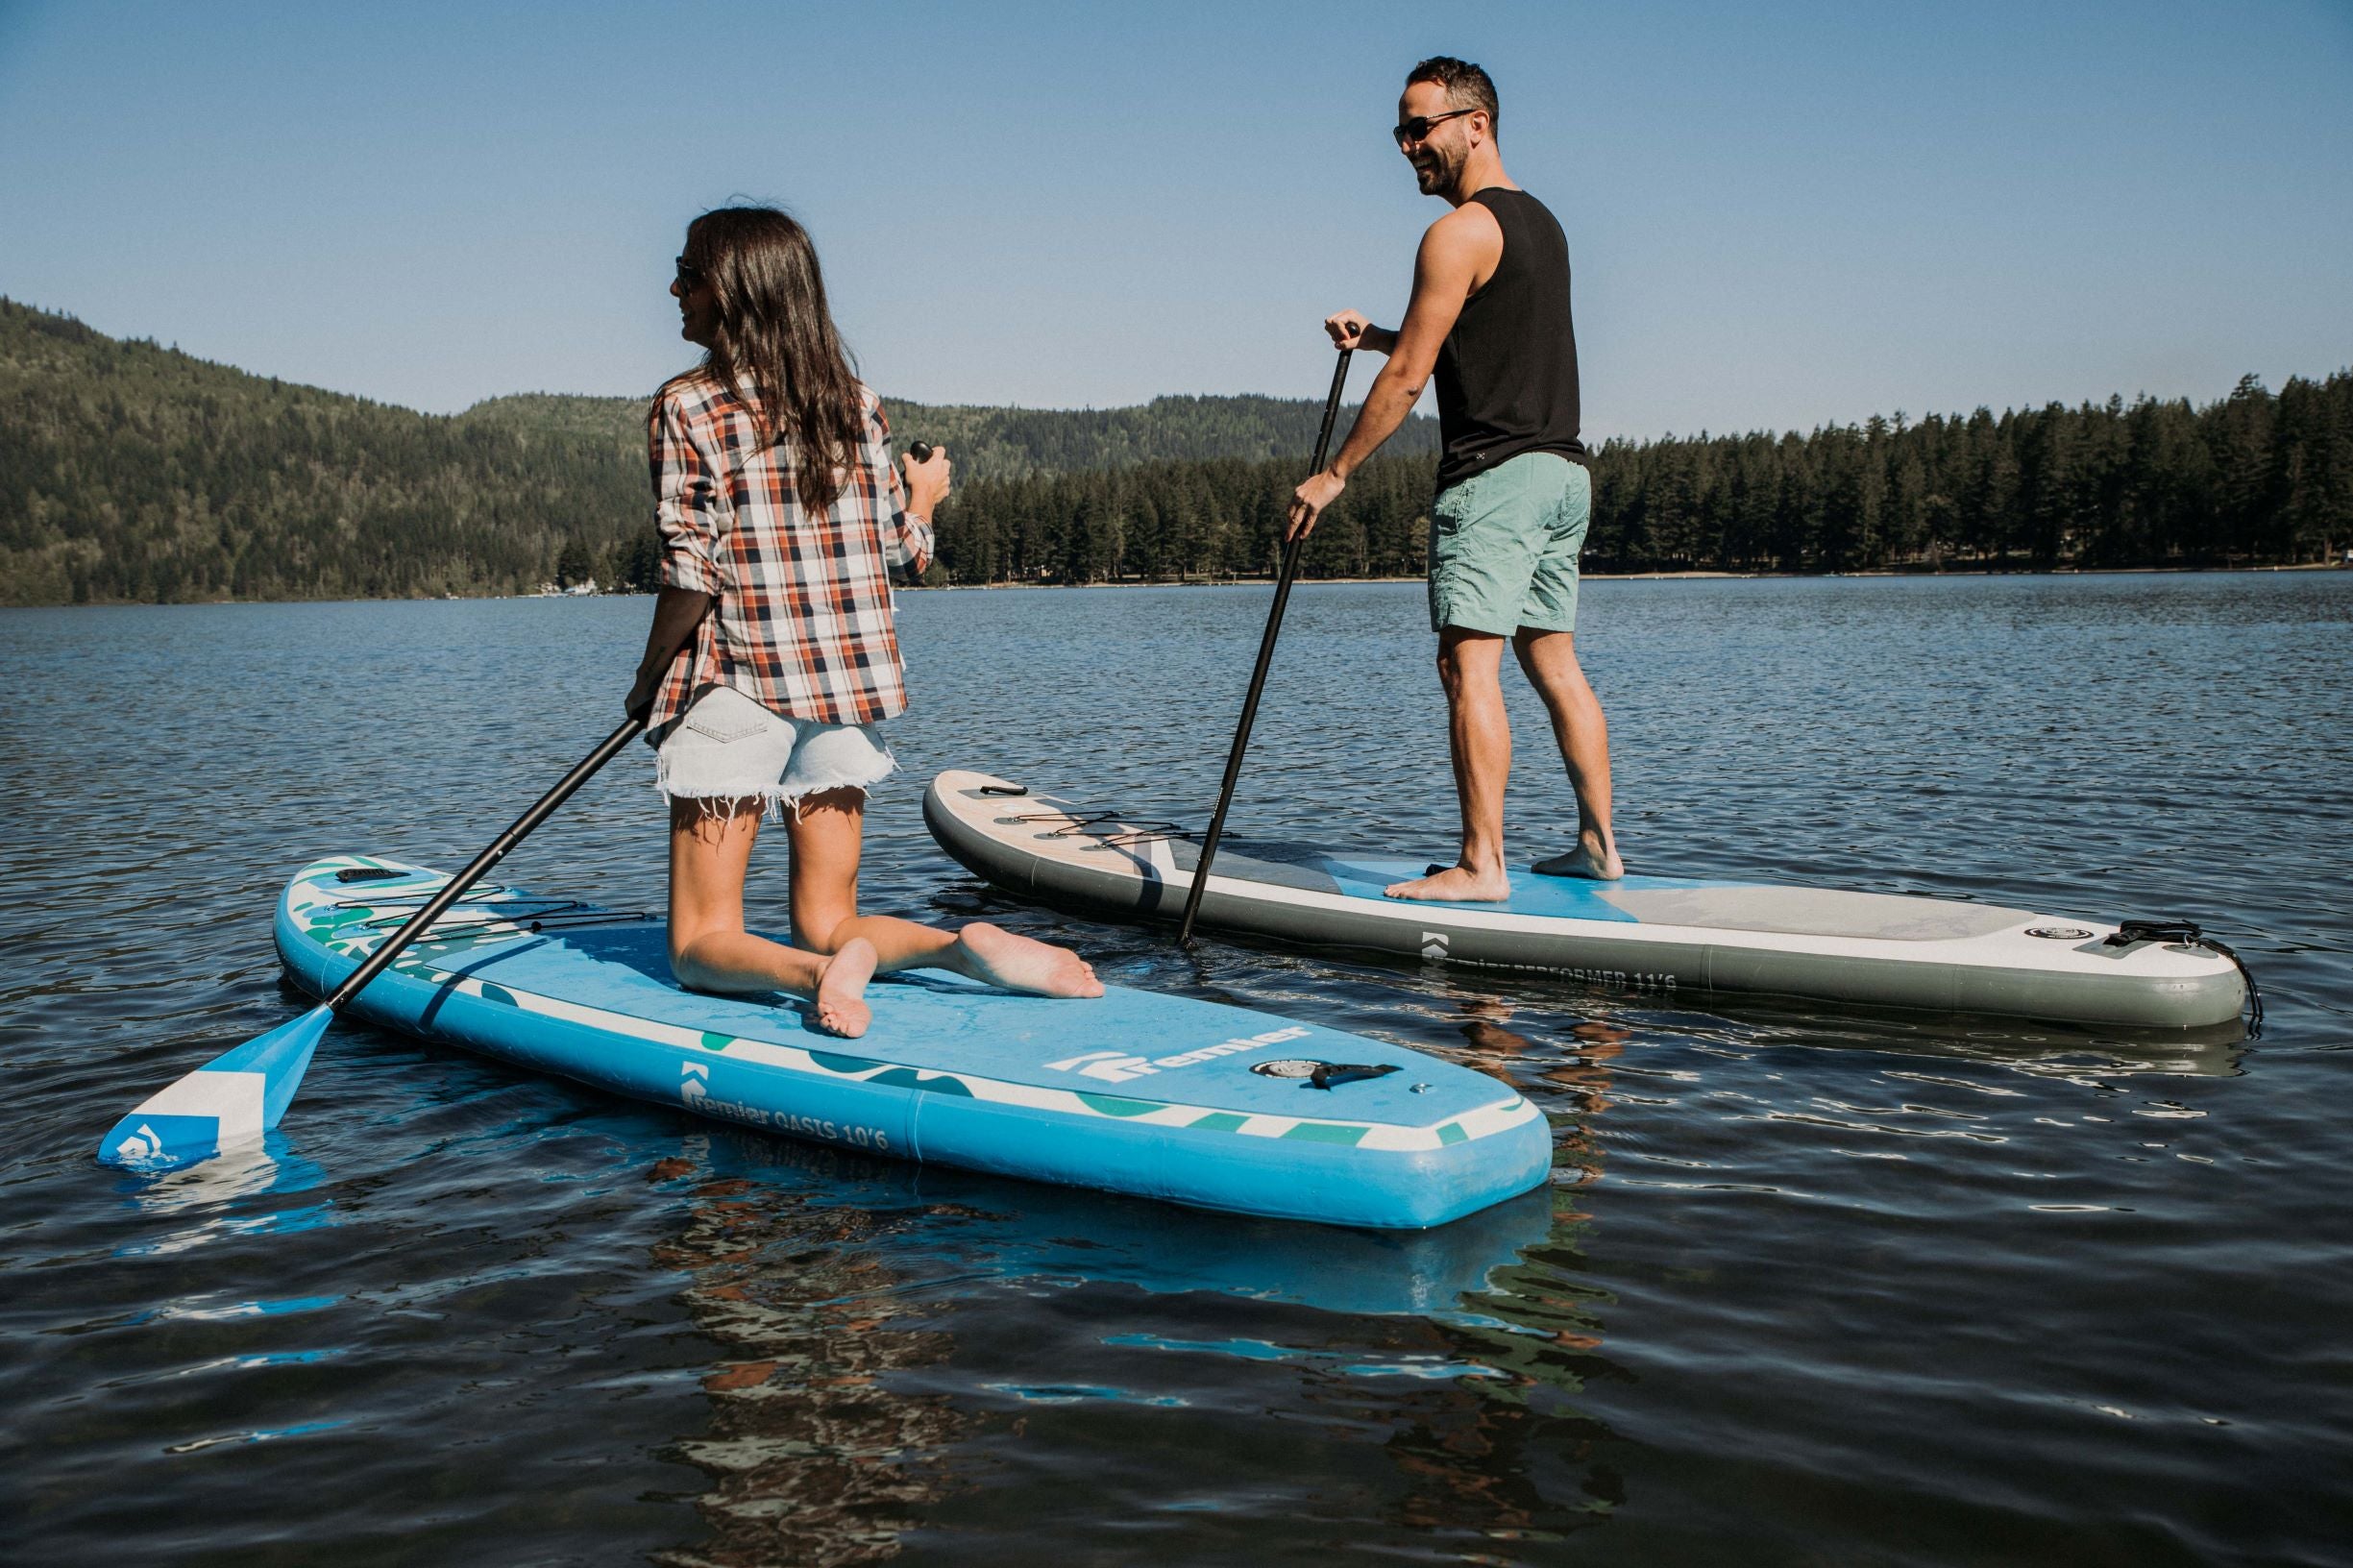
column 1006, row 959
column 1456, row 885
column 1592, row 857
column 841, row 989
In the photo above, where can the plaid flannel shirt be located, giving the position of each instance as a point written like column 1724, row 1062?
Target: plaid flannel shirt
column 802, row 621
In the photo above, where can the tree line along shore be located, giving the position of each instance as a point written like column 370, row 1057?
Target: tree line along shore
column 133, row 473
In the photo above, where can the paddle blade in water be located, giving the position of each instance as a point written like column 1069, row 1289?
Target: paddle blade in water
column 230, row 1100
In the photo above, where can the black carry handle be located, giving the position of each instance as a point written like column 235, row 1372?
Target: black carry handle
column 521, row 829
column 1257, row 675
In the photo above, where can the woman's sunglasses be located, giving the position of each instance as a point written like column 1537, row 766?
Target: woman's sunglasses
column 1417, row 129
column 690, row 276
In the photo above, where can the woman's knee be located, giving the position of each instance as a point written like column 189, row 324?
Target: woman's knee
column 683, row 966
column 820, row 929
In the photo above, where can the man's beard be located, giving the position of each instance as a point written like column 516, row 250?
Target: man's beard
column 1435, row 172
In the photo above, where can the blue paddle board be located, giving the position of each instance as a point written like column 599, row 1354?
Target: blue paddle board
column 1159, row 1097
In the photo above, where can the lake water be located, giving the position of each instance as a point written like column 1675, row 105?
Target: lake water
column 1806, row 1288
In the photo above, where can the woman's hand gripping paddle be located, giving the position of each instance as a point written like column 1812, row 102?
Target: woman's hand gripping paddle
column 1257, row 675
column 921, row 452
column 236, row 1097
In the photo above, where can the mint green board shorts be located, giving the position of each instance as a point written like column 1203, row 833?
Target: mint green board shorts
column 1504, row 546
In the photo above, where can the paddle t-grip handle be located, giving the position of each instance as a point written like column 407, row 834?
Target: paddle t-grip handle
column 1257, row 675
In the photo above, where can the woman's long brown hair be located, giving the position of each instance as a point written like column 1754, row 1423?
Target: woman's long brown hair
column 776, row 346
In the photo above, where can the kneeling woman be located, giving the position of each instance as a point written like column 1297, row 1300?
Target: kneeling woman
column 774, row 654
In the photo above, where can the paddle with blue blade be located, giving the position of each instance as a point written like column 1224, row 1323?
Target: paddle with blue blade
column 236, row 1097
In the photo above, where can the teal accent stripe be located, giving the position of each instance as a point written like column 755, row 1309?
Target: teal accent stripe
column 1327, row 1132
column 1218, row 1121
column 925, row 1079
column 1453, row 1133
column 1112, row 1105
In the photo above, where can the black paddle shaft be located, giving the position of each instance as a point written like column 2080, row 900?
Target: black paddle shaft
column 1257, row 675
column 415, row 926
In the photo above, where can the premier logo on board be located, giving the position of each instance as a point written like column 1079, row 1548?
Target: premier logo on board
column 1118, row 1067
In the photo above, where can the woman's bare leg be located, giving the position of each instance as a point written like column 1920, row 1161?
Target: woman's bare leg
column 709, row 948
column 825, row 832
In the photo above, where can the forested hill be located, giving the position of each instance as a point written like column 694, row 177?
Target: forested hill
column 990, row 443
column 2251, row 478
column 134, row 472
column 129, row 471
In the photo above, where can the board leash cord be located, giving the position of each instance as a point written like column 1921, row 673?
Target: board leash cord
column 2187, row 933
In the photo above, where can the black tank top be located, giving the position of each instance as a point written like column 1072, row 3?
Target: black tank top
column 1507, row 373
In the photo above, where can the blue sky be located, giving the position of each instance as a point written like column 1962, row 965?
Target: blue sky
column 1779, row 215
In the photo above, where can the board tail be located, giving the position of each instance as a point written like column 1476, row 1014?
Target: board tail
column 230, row 1100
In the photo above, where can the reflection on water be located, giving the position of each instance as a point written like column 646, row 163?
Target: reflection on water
column 1479, row 1461
column 1808, row 1284
column 814, row 1455
column 825, row 1433
column 236, row 1173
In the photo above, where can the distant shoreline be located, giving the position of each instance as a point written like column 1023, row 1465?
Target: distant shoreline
column 1880, row 574
column 1671, row 577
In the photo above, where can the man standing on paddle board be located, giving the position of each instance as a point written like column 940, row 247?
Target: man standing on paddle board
column 1489, row 315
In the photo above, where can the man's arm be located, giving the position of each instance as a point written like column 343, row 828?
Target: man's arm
column 1459, row 249
column 907, row 520
column 919, row 492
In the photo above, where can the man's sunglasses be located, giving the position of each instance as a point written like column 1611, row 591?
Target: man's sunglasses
column 1417, row 129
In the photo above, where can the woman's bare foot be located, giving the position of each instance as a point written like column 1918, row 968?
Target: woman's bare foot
column 1002, row 958
column 841, row 989
column 1594, row 856
column 1456, row 885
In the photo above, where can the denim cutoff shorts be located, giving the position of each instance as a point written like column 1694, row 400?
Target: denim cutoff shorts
column 1504, row 546
column 728, row 748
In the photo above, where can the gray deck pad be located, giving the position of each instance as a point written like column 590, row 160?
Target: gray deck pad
column 1815, row 912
